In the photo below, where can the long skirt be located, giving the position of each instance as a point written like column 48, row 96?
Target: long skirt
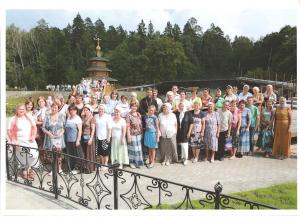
column 265, row 139
column 235, row 138
column 119, row 152
column 135, row 151
column 244, row 145
column 27, row 156
column 89, row 152
column 168, row 149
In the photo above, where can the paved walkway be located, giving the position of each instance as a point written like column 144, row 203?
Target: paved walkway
column 236, row 175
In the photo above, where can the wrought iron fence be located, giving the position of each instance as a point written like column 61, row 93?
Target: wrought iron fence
column 109, row 187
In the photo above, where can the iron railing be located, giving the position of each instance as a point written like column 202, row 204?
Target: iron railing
column 109, row 187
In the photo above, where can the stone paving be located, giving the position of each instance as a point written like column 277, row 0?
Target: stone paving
column 237, row 175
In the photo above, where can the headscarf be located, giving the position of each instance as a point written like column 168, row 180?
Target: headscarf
column 168, row 107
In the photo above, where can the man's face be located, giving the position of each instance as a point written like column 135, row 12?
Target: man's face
column 149, row 93
column 174, row 89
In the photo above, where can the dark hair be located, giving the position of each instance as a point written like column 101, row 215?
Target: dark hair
column 207, row 89
column 242, row 102
column 124, row 96
column 72, row 107
column 114, row 92
column 29, row 100
column 182, row 91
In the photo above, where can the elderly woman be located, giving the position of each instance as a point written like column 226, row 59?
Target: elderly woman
column 269, row 94
column 21, row 131
column 212, row 130
column 171, row 100
column 119, row 150
column 53, row 127
column 123, row 104
column 230, row 96
column 282, row 130
column 88, row 133
column 168, row 130
column 133, row 99
column 62, row 107
column 244, row 144
column 258, row 97
column 245, row 93
column 73, row 132
column 134, row 136
column 103, row 135
column 184, row 128
column 197, row 132
column 94, row 104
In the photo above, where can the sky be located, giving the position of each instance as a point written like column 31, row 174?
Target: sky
column 253, row 19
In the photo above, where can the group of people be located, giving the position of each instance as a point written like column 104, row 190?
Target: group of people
column 130, row 132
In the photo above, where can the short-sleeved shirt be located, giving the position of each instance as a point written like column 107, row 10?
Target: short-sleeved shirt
column 103, row 124
column 254, row 114
column 134, row 123
column 71, row 128
column 150, row 122
column 167, row 125
column 231, row 98
column 225, row 118
column 244, row 97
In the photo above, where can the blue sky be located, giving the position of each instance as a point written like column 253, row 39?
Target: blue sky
column 253, row 20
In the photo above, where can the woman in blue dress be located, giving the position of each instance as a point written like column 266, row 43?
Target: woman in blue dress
column 244, row 146
column 151, row 137
column 53, row 127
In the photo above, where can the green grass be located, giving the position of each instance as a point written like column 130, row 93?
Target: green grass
column 283, row 196
column 21, row 97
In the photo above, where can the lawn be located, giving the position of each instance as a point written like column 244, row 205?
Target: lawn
column 282, row 196
column 20, row 97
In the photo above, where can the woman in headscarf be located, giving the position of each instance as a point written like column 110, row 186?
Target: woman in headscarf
column 22, row 131
column 168, row 130
column 282, row 130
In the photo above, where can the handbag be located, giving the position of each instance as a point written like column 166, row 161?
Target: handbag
column 228, row 143
column 86, row 137
column 56, row 143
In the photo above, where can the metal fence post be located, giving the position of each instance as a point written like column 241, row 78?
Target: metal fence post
column 54, row 173
column 115, row 173
column 7, row 162
column 218, row 189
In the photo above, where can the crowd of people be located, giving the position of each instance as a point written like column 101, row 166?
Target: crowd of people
column 129, row 132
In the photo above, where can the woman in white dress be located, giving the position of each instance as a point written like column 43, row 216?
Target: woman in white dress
column 22, row 131
column 119, row 150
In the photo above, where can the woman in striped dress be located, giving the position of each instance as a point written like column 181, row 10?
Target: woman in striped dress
column 134, row 136
column 244, row 146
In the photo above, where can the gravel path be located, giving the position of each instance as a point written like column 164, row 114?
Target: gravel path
column 237, row 175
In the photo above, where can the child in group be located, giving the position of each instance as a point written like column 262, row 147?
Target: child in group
column 151, row 137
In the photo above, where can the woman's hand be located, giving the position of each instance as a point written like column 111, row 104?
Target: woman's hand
column 77, row 143
column 90, row 141
column 51, row 135
column 129, row 139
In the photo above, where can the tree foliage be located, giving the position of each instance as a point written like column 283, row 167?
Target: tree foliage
column 48, row 55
